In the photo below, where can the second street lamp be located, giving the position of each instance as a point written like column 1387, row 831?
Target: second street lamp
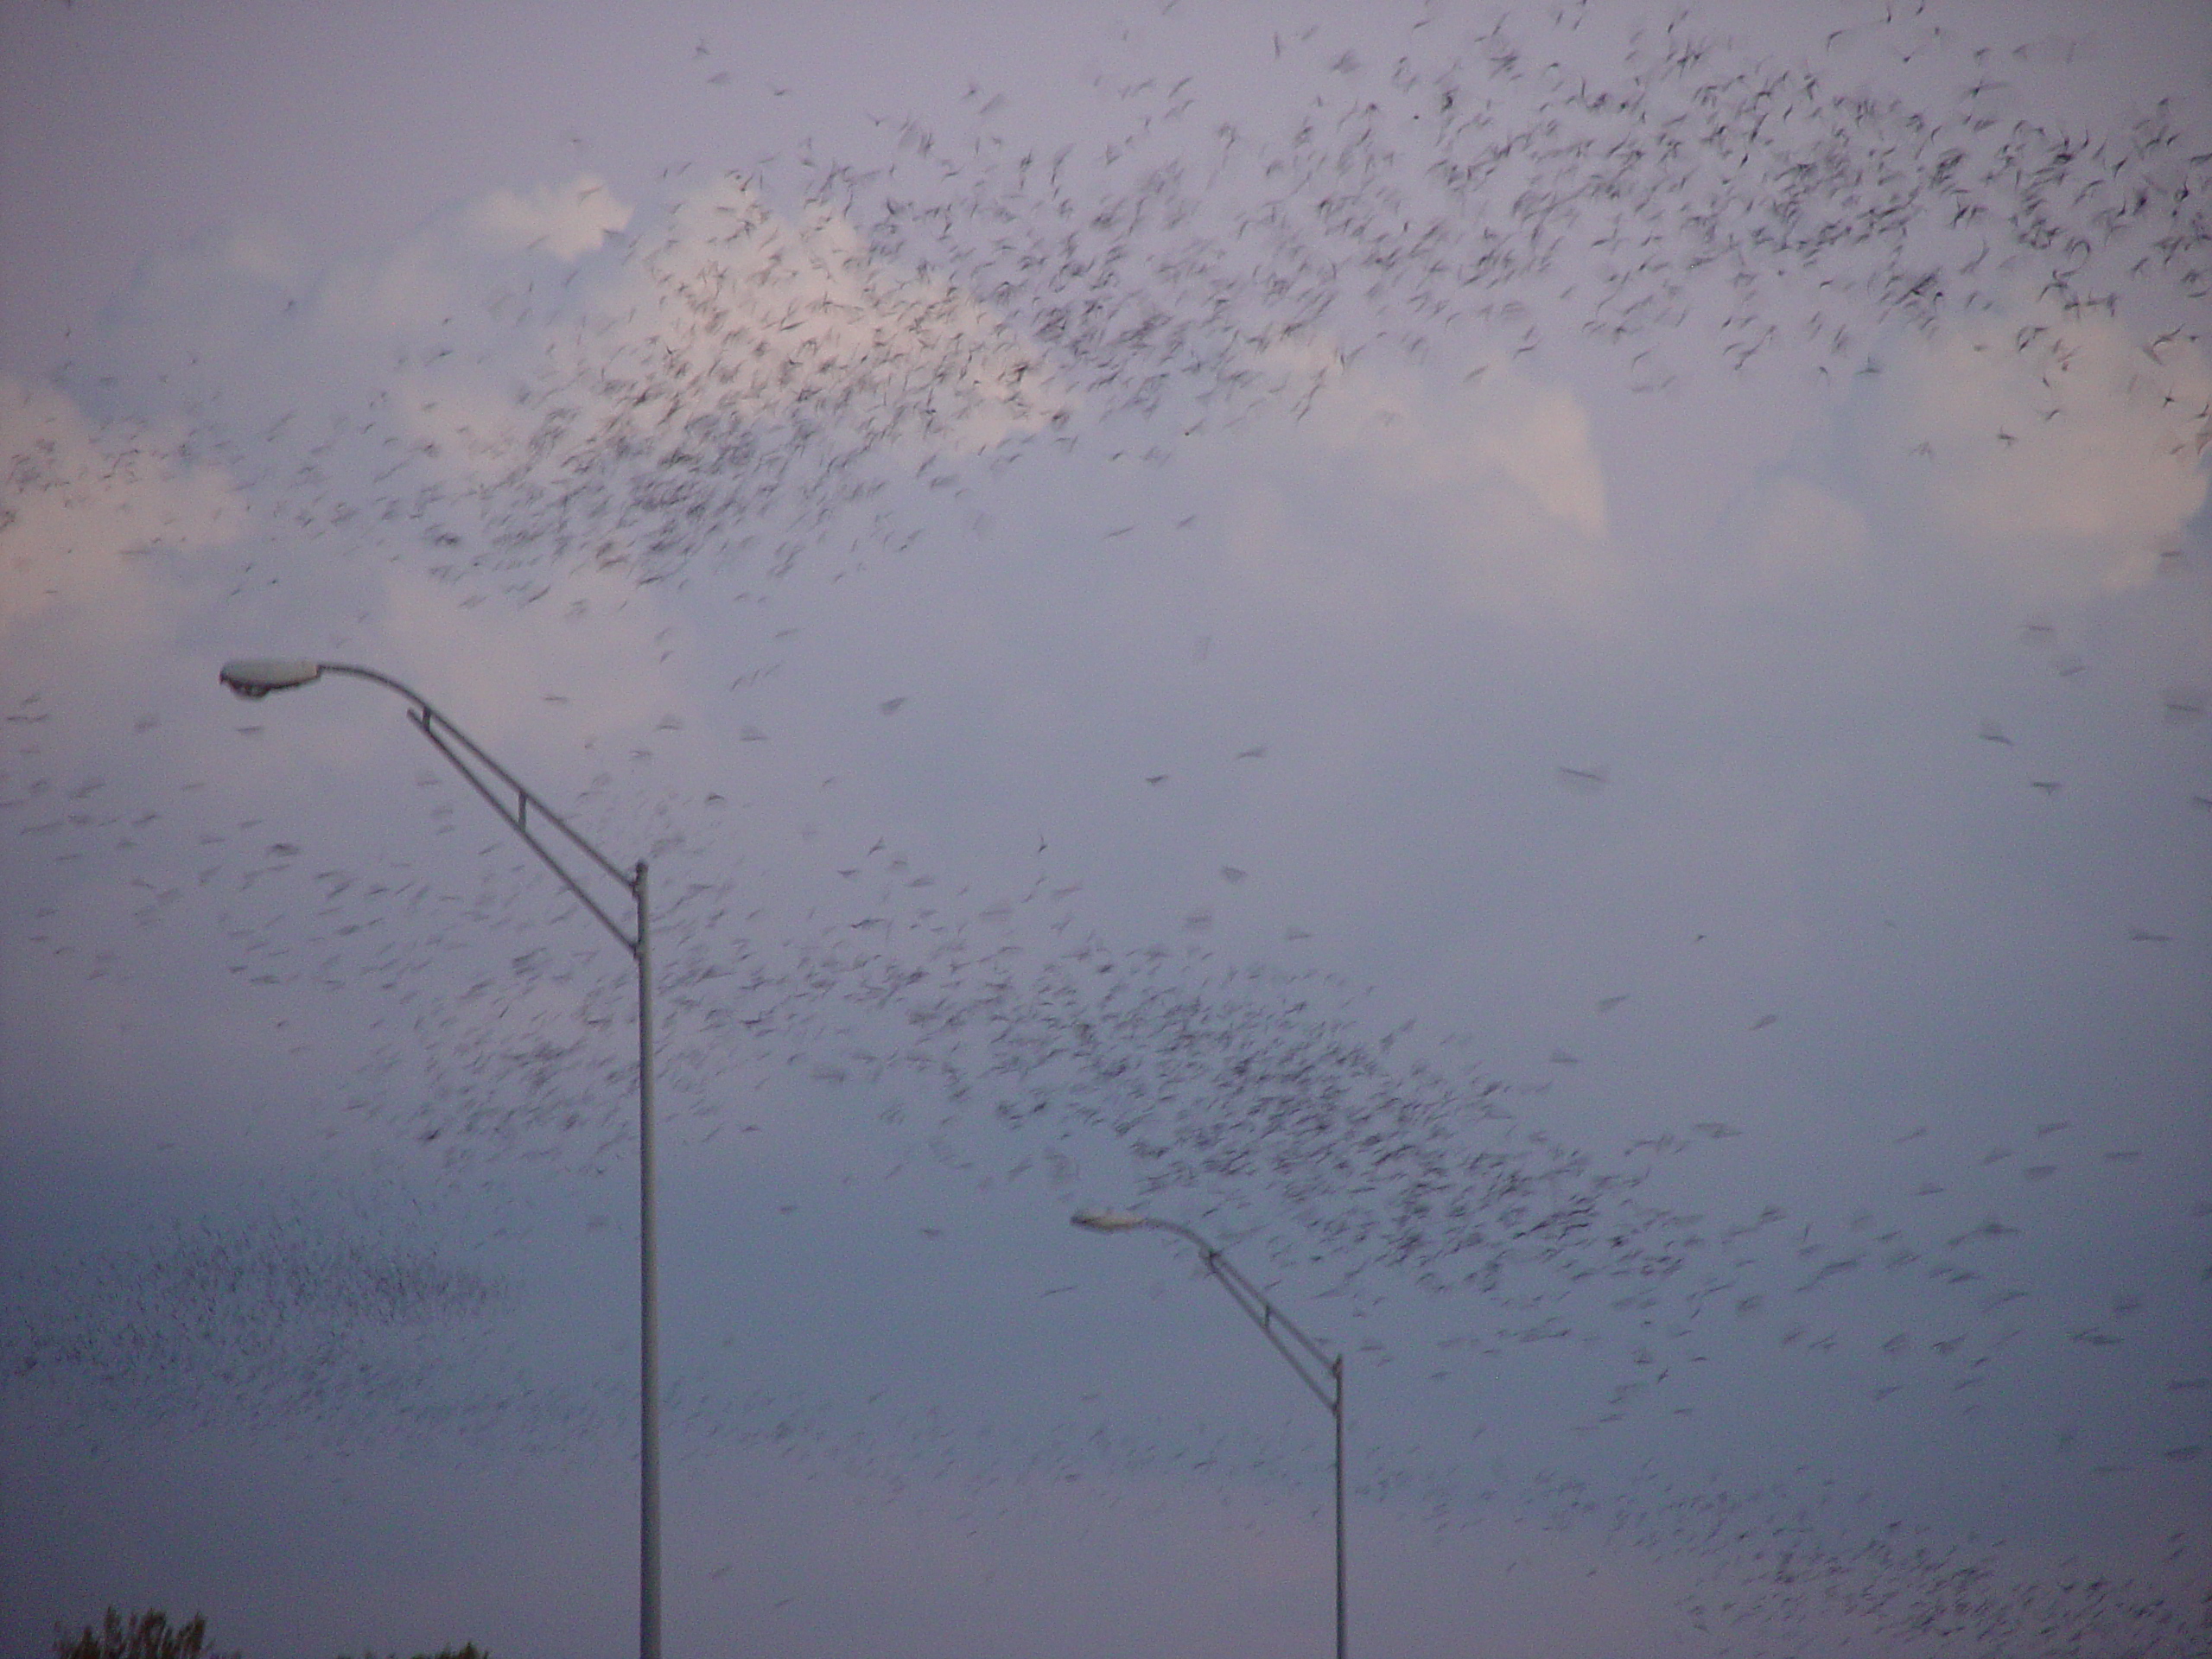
column 256, row 679
column 1307, row 1357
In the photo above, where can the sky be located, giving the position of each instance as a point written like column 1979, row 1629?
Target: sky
column 1543, row 667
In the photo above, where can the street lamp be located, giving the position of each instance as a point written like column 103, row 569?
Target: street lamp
column 256, row 679
column 1308, row 1358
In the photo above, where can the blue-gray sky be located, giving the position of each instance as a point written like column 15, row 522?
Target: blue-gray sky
column 1545, row 666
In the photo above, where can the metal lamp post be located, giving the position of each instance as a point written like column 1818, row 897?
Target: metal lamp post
column 258, row 678
column 1308, row 1358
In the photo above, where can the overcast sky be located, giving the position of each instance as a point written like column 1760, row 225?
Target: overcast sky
column 1545, row 668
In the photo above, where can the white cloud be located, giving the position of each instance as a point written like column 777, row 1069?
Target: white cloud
column 744, row 314
column 2053, row 446
column 564, row 381
column 1490, row 494
column 85, row 512
column 468, row 275
column 1539, row 437
column 110, row 542
column 726, row 380
column 724, row 316
column 567, row 220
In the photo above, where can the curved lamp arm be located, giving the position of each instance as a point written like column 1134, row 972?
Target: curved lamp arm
column 256, row 678
column 1312, row 1362
column 1307, row 1359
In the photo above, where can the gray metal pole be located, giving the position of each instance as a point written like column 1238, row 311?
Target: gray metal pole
column 1265, row 1314
column 1337, row 1370
column 258, row 678
column 648, row 1307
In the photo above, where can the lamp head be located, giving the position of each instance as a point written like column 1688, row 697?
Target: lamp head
column 257, row 677
column 1106, row 1221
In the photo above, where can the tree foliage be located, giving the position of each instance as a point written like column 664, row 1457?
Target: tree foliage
column 150, row 1636
column 145, row 1636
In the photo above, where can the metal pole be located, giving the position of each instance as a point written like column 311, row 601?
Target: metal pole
column 1338, row 1407
column 258, row 678
column 649, row 1307
column 1264, row 1313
